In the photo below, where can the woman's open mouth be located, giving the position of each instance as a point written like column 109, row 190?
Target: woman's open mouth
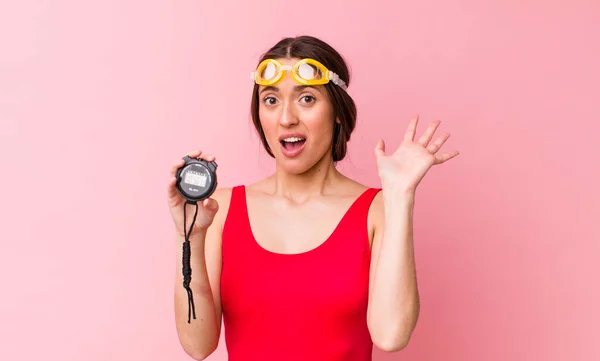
column 292, row 146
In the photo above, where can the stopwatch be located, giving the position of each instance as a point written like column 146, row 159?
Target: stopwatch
column 196, row 179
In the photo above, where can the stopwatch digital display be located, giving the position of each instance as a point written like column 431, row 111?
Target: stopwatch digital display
column 195, row 178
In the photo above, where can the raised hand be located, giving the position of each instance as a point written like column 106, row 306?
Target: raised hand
column 405, row 168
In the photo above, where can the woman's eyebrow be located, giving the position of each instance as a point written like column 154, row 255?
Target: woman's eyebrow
column 269, row 88
column 297, row 88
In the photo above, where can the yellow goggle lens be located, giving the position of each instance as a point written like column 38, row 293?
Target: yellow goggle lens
column 268, row 72
column 309, row 72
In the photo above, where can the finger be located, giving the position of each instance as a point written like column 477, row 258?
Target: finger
column 210, row 204
column 426, row 137
column 445, row 157
column 171, row 186
column 176, row 166
column 199, row 155
column 181, row 162
column 172, row 193
column 208, row 157
column 195, row 153
column 412, row 128
column 435, row 146
column 210, row 207
column 380, row 148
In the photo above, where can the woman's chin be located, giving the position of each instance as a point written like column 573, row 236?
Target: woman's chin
column 298, row 165
column 293, row 166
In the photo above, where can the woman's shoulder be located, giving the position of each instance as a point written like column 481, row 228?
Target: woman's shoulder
column 374, row 203
column 376, row 206
column 223, row 198
column 355, row 188
column 222, row 195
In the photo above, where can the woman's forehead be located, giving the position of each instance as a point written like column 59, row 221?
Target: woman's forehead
column 288, row 61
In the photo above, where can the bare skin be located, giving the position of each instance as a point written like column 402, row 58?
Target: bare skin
column 301, row 225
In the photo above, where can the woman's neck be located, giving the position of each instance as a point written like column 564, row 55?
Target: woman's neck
column 300, row 187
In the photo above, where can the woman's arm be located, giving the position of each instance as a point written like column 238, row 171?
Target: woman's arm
column 200, row 337
column 393, row 295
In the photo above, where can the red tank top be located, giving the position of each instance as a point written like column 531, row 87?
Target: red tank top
column 310, row 306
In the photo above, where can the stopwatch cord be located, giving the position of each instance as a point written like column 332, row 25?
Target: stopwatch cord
column 187, row 268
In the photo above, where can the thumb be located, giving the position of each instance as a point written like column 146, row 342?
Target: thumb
column 211, row 207
column 380, row 148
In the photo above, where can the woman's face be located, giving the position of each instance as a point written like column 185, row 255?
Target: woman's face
column 297, row 121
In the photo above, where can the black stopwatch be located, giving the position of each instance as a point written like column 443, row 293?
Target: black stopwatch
column 196, row 179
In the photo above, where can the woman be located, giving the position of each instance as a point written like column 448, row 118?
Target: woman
column 306, row 264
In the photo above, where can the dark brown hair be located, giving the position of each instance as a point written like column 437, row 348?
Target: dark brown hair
column 343, row 105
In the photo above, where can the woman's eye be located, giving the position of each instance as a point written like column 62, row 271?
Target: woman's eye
column 270, row 100
column 308, row 99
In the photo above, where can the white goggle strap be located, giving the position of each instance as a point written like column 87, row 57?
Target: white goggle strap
column 337, row 81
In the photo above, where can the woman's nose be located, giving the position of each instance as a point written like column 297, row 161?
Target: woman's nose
column 288, row 115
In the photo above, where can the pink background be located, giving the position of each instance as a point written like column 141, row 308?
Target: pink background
column 98, row 98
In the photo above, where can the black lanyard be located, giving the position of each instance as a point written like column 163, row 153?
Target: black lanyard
column 187, row 268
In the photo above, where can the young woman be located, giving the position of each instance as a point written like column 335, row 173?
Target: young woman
column 306, row 264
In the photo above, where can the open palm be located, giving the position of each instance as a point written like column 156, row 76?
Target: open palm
column 406, row 167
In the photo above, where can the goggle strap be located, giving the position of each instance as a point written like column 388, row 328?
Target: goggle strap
column 336, row 80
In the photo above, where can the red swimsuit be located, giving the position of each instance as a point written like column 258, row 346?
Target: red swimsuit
column 309, row 306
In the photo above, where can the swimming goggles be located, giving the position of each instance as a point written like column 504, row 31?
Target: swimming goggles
column 305, row 72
